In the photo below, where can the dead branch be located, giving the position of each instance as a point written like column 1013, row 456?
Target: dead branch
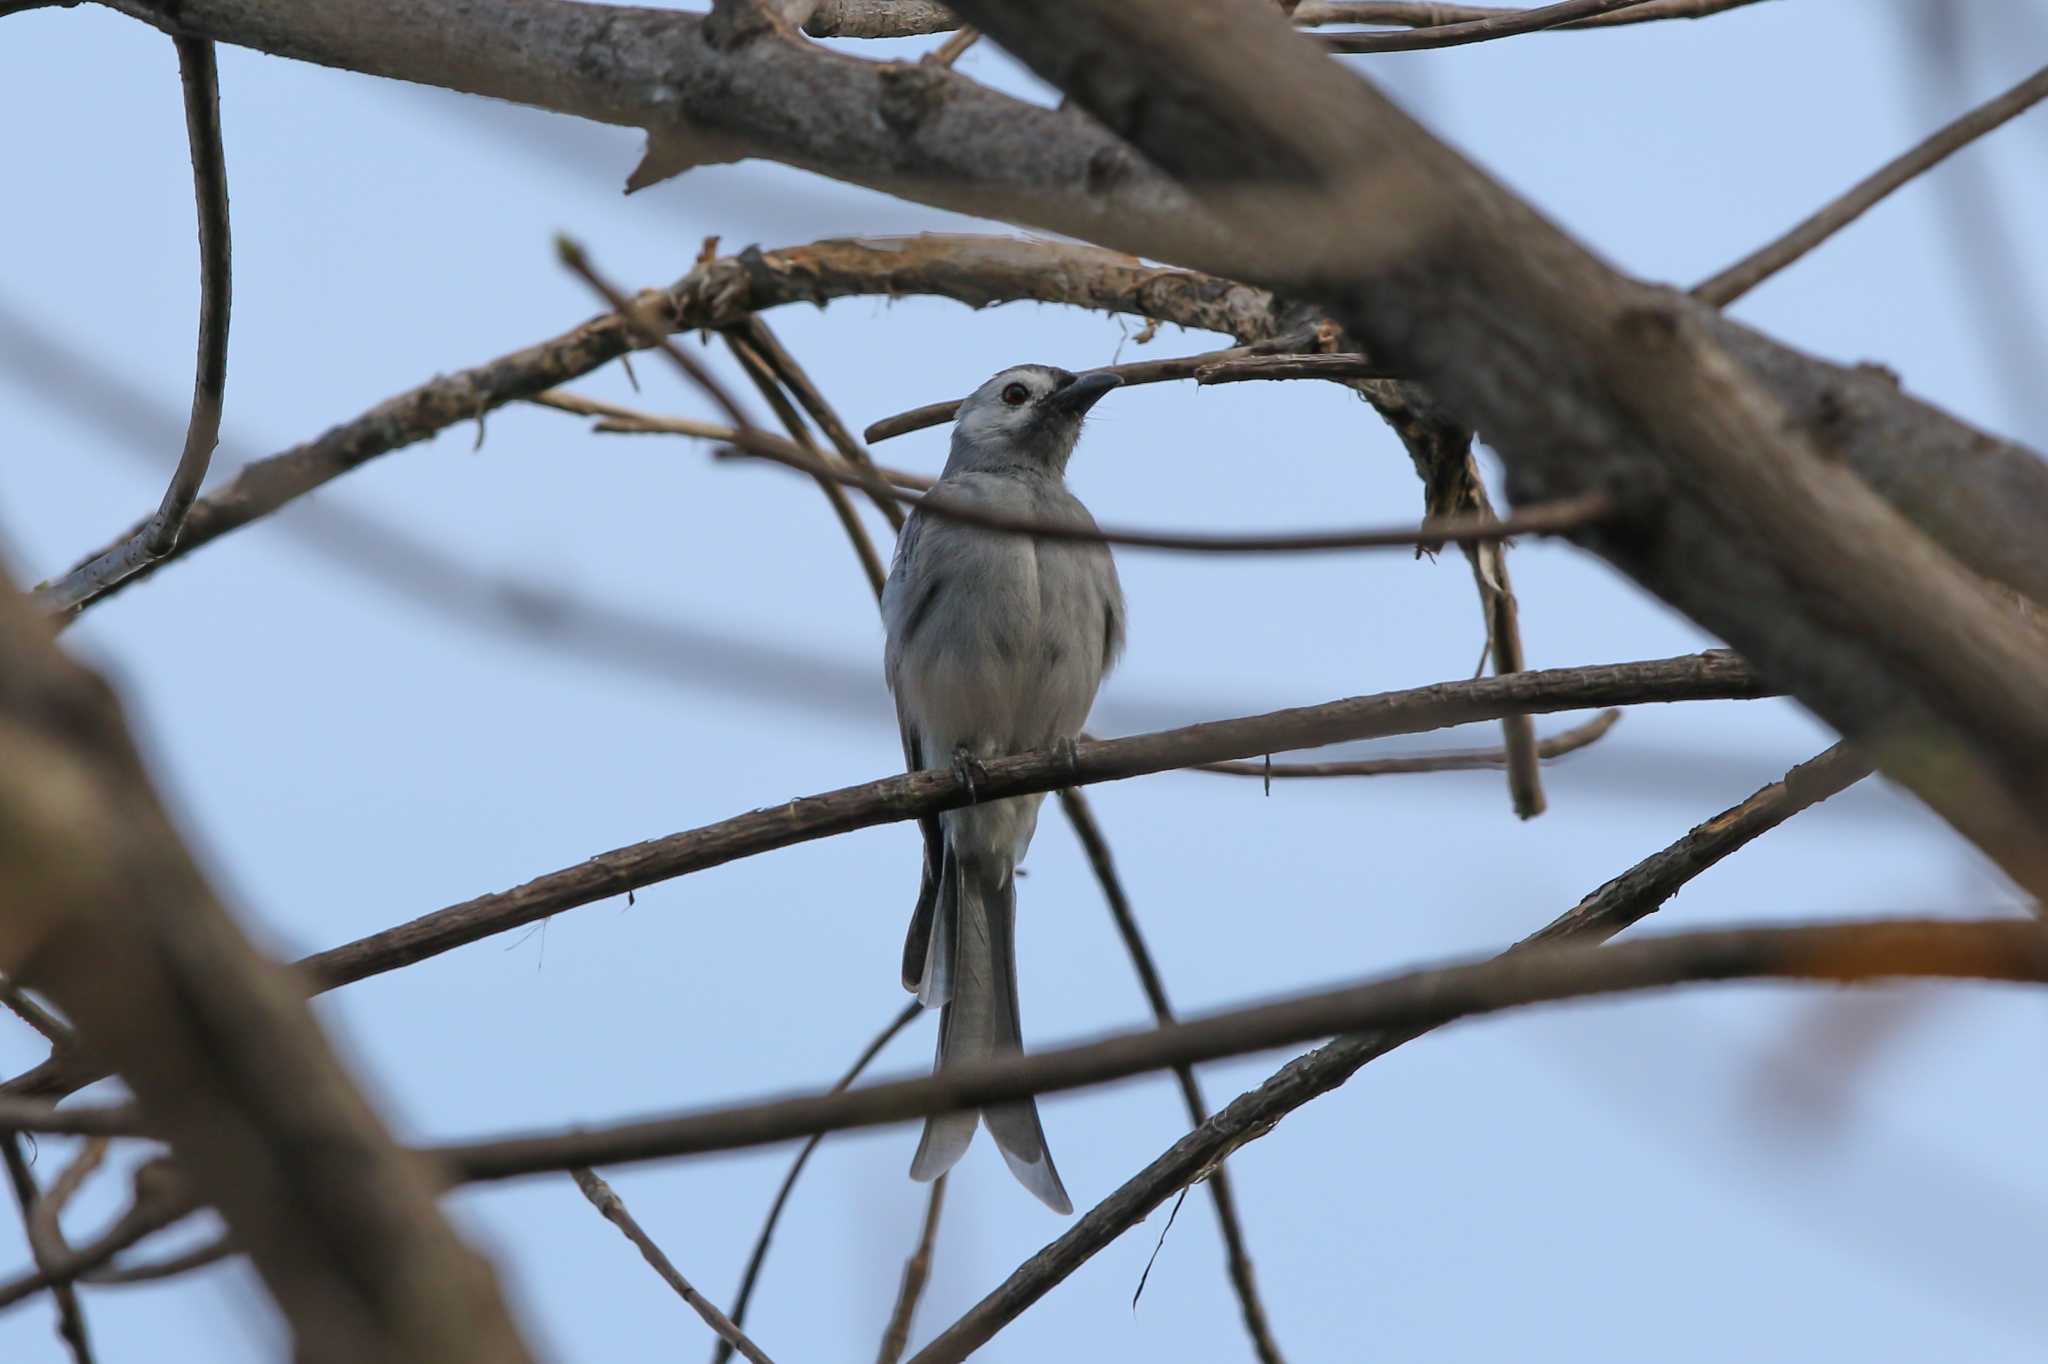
column 156, row 537
column 759, row 1255
column 1738, row 279
column 1765, row 541
column 1628, row 898
column 1708, row 676
column 108, row 916
column 2007, row 950
column 613, row 1208
column 916, row 1272
column 1570, row 741
column 1477, row 30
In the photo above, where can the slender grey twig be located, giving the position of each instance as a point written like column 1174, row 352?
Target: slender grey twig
column 159, row 535
column 1628, row 898
column 759, row 1256
column 1570, row 741
column 606, row 1201
column 917, row 1271
column 1507, row 25
column 1237, row 1254
column 1753, row 269
column 70, row 1316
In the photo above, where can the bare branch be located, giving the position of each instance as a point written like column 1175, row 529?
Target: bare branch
column 1430, row 14
column 19, row 1114
column 1766, row 540
column 1557, row 518
column 976, row 270
column 742, row 342
column 1236, row 1253
column 70, row 1316
column 1708, row 676
column 1476, row 30
column 1570, row 741
column 1136, row 372
column 110, row 918
column 606, row 1201
column 156, row 538
column 1753, row 269
column 916, row 1271
column 903, row 1019
column 160, row 1200
column 1625, row 900
column 1877, row 950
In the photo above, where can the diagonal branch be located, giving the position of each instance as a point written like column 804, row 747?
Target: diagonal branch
column 157, row 537
column 917, row 1272
column 28, row 1198
column 1738, row 279
column 613, row 1208
column 1575, row 372
column 1626, row 899
column 904, row 1017
column 1221, row 1187
column 1710, row 676
column 2008, row 950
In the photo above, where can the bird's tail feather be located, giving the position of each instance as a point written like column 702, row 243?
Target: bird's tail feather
column 975, row 920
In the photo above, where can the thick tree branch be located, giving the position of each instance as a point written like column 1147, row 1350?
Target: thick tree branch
column 1576, row 373
column 1710, row 676
column 1626, row 899
column 102, row 909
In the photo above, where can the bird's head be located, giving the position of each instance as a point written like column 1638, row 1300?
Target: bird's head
column 1028, row 414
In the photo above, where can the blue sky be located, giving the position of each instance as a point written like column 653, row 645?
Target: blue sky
column 350, row 742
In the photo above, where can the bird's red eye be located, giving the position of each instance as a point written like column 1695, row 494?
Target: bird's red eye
column 1015, row 395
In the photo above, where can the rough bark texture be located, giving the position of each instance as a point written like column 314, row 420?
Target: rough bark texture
column 103, row 910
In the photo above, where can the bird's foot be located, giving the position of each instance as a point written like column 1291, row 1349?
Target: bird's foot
column 968, row 768
column 1070, row 754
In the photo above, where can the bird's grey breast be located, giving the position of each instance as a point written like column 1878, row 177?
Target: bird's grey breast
column 999, row 641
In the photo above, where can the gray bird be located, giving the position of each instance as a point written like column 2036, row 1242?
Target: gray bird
column 997, row 644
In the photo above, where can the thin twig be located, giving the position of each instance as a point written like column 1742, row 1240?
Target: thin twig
column 616, row 420
column 160, row 1200
column 948, row 52
column 606, row 1201
column 808, row 394
column 1561, row 517
column 1464, row 760
column 1430, row 14
column 1628, row 898
column 18, row 1002
column 156, row 538
column 2007, row 950
column 1753, row 269
column 917, row 1271
column 70, row 1316
column 903, row 1019
column 1229, row 365
column 46, row 1223
column 1715, row 675
column 1507, row 25
column 1236, row 1253
column 764, row 379
column 200, row 1256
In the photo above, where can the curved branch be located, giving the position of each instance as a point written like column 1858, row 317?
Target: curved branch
column 1570, row 741
column 156, row 537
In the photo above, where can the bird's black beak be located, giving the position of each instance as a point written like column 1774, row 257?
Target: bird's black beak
column 1083, row 391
